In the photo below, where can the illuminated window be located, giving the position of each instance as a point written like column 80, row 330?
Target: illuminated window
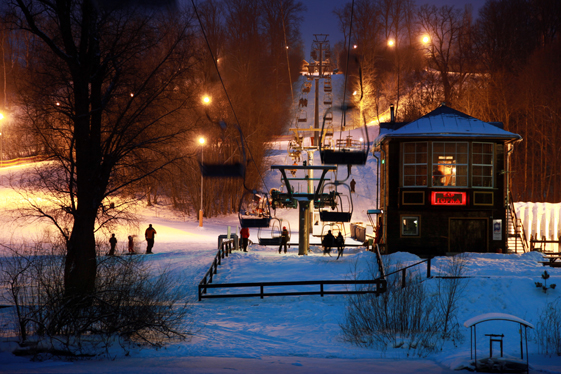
column 482, row 165
column 449, row 164
column 410, row 226
column 415, row 164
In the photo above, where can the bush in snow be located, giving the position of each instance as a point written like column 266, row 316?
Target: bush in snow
column 133, row 306
column 418, row 317
column 548, row 329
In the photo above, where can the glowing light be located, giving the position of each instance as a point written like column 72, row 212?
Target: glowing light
column 202, row 140
column 425, row 39
column 206, row 99
column 448, row 198
column 355, row 46
column 391, row 43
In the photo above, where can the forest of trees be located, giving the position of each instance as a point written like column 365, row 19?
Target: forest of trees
column 247, row 38
column 502, row 65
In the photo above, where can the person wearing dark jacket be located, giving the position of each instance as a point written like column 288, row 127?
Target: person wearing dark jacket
column 285, row 237
column 328, row 242
column 340, row 242
column 149, row 236
column 113, row 242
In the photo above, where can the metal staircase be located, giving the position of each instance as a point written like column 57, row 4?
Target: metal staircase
column 516, row 236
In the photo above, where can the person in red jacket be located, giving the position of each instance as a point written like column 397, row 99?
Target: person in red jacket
column 245, row 238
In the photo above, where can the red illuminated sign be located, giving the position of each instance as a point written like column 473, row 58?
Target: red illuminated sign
column 448, row 198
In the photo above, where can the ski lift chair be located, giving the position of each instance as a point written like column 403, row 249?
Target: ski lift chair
column 328, row 98
column 345, row 151
column 255, row 210
column 335, row 228
column 303, row 116
column 225, row 169
column 276, row 232
column 340, row 206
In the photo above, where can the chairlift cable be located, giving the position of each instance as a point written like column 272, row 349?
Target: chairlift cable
column 286, row 49
column 343, row 117
column 225, row 91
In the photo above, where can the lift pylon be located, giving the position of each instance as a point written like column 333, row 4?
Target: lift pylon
column 303, row 200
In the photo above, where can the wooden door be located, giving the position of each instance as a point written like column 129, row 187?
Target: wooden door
column 468, row 235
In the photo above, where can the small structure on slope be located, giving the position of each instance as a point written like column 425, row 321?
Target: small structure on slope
column 444, row 184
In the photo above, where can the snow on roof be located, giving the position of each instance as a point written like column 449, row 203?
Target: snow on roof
column 495, row 316
column 447, row 122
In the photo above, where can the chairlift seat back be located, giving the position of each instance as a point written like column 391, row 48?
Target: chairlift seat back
column 343, row 157
column 328, row 216
column 235, row 170
column 255, row 222
column 270, row 241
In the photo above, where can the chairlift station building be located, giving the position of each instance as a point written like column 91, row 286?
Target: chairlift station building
column 444, row 184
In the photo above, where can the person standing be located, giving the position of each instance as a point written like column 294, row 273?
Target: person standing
column 245, row 238
column 149, row 236
column 113, row 243
column 340, row 242
column 285, row 236
column 131, row 245
column 328, row 242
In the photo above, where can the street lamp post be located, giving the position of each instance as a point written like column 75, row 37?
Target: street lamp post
column 201, row 142
column 1, row 142
column 206, row 101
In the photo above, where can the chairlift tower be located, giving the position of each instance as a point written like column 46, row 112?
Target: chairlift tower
column 321, row 51
column 303, row 200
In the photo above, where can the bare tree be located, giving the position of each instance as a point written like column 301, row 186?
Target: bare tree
column 449, row 50
column 106, row 95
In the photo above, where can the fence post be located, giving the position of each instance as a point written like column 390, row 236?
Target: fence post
column 403, row 278
column 321, row 289
column 200, row 296
column 261, row 291
column 428, row 267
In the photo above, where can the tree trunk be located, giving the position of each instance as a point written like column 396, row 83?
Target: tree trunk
column 81, row 266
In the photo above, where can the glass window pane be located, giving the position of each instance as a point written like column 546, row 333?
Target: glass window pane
column 487, row 159
column 477, row 158
column 410, row 226
column 462, row 148
column 409, row 148
column 488, row 148
column 461, row 181
column 421, row 158
column 461, row 170
column 409, row 170
column 409, row 158
column 409, row 181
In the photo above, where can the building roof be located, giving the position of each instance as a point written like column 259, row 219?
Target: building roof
column 445, row 122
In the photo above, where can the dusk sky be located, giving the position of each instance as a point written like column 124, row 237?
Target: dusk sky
column 319, row 18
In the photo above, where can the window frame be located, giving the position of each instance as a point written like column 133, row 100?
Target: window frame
column 415, row 164
column 473, row 164
column 456, row 164
column 402, row 234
